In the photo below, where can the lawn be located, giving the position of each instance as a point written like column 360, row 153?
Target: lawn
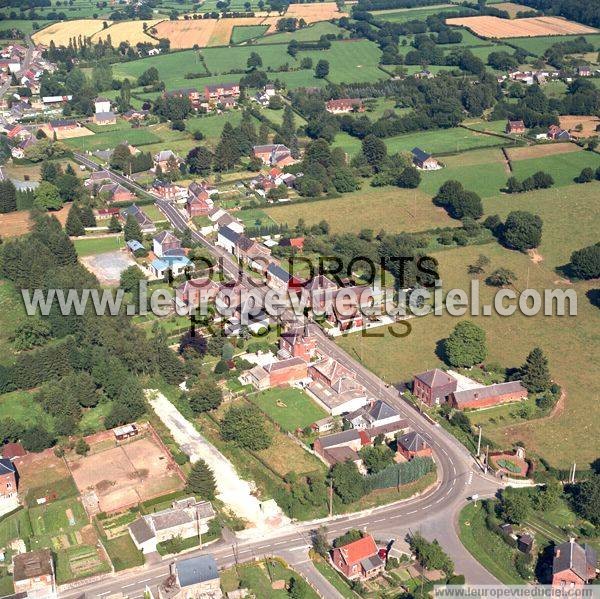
column 98, row 245
column 110, row 139
column 334, row 578
column 123, row 553
column 57, row 517
column 290, row 408
column 211, row 126
column 569, row 342
column 487, row 547
column 249, row 32
column 258, row 578
column 374, row 208
column 223, row 60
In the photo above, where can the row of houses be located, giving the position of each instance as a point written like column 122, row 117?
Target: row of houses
column 223, row 95
column 554, row 132
column 542, row 76
column 436, row 387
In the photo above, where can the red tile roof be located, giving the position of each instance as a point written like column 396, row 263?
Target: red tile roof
column 356, row 551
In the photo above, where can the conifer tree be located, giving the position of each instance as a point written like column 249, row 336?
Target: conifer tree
column 74, row 227
column 201, row 481
column 535, row 374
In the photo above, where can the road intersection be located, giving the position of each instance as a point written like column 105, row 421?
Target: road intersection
column 434, row 513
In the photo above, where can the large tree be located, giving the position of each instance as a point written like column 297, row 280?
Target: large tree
column 348, row 482
column 132, row 229
column 522, row 230
column 47, row 197
column 201, row 481
column 205, row 396
column 245, row 426
column 74, row 226
column 585, row 498
column 199, row 160
column 466, row 345
column 374, row 150
column 585, row 263
column 535, row 374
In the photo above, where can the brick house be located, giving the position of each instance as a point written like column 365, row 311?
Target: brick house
column 558, row 134
column 191, row 93
column 34, row 574
column 163, row 158
column 358, row 559
column 221, row 90
column 299, row 344
column 199, row 205
column 515, row 127
column 412, row 445
column 255, row 254
column 345, row 105
column 8, row 478
column 273, row 154
column 573, row 565
column 115, row 192
column 168, row 190
column 487, row 396
column 341, row 447
column 196, row 292
column 286, row 372
column 433, row 387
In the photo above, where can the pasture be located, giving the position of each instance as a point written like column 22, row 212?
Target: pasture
column 511, row 8
column 395, row 210
column 495, row 27
column 24, row 25
column 569, row 342
column 538, row 45
column 97, row 245
column 110, row 139
column 243, row 33
column 310, row 33
column 412, row 14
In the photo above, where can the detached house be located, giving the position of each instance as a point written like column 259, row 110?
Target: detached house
column 164, row 242
column 192, row 578
column 358, row 559
column 199, row 205
column 434, row 387
column 8, row 478
column 412, row 445
column 191, row 93
column 558, row 134
column 573, row 565
column 140, row 216
column 378, row 413
column 345, row 105
column 164, row 157
column 424, row 161
column 515, row 127
column 273, row 154
column 33, row 574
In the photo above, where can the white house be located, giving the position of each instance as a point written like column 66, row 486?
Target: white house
column 227, row 238
column 101, row 105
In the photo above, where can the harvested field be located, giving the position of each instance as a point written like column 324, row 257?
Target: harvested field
column 125, row 475
column 61, row 33
column 311, row 13
column 224, row 28
column 541, row 151
column 511, row 8
column 184, row 34
column 72, row 133
column 14, row 224
column 536, row 26
column 588, row 123
column 127, row 31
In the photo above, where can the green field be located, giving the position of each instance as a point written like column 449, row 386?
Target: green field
column 538, row 45
column 298, row 412
column 22, row 406
column 313, row 32
column 98, row 245
column 223, row 60
column 57, row 517
column 123, row 553
column 394, row 209
column 110, row 139
column 412, row 14
column 438, row 141
column 24, row 25
column 240, row 35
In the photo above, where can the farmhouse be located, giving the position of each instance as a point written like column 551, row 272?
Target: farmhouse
column 413, row 445
column 359, row 559
column 434, row 387
column 558, row 134
column 515, row 127
column 115, row 192
column 8, row 478
column 424, row 161
column 135, row 115
column 281, row 373
column 168, row 190
column 573, row 565
column 185, row 518
column 273, row 154
column 487, row 396
column 105, row 118
column 195, row 577
column 345, row 105
column 33, row 574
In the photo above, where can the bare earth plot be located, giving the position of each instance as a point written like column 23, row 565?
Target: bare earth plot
column 533, row 27
column 588, row 123
column 541, row 151
column 108, row 266
column 14, row 224
column 125, row 475
column 61, row 33
column 184, row 34
column 511, row 8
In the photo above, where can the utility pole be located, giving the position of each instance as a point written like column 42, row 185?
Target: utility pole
column 331, row 498
column 479, row 441
column 487, row 457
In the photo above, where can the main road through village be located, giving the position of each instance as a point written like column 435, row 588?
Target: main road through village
column 433, row 513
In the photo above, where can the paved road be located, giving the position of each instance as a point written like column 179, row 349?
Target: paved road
column 24, row 65
column 434, row 513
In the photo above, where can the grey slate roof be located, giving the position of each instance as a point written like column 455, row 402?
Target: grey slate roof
column 276, row 271
column 420, row 155
column 478, row 393
column 229, row 234
column 141, row 531
column 412, row 441
column 372, row 562
column 339, row 438
column 435, row 378
column 572, row 556
column 6, row 466
column 196, row 570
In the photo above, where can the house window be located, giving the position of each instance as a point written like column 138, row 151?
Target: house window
column 9, row 485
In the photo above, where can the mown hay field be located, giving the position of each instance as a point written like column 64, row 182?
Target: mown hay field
column 61, row 33
column 127, row 31
column 537, row 26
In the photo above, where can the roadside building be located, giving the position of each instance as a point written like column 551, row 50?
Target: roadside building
column 487, row 396
column 299, row 343
column 573, row 565
column 33, row 574
column 412, row 445
column 358, row 559
column 434, row 387
column 192, row 578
